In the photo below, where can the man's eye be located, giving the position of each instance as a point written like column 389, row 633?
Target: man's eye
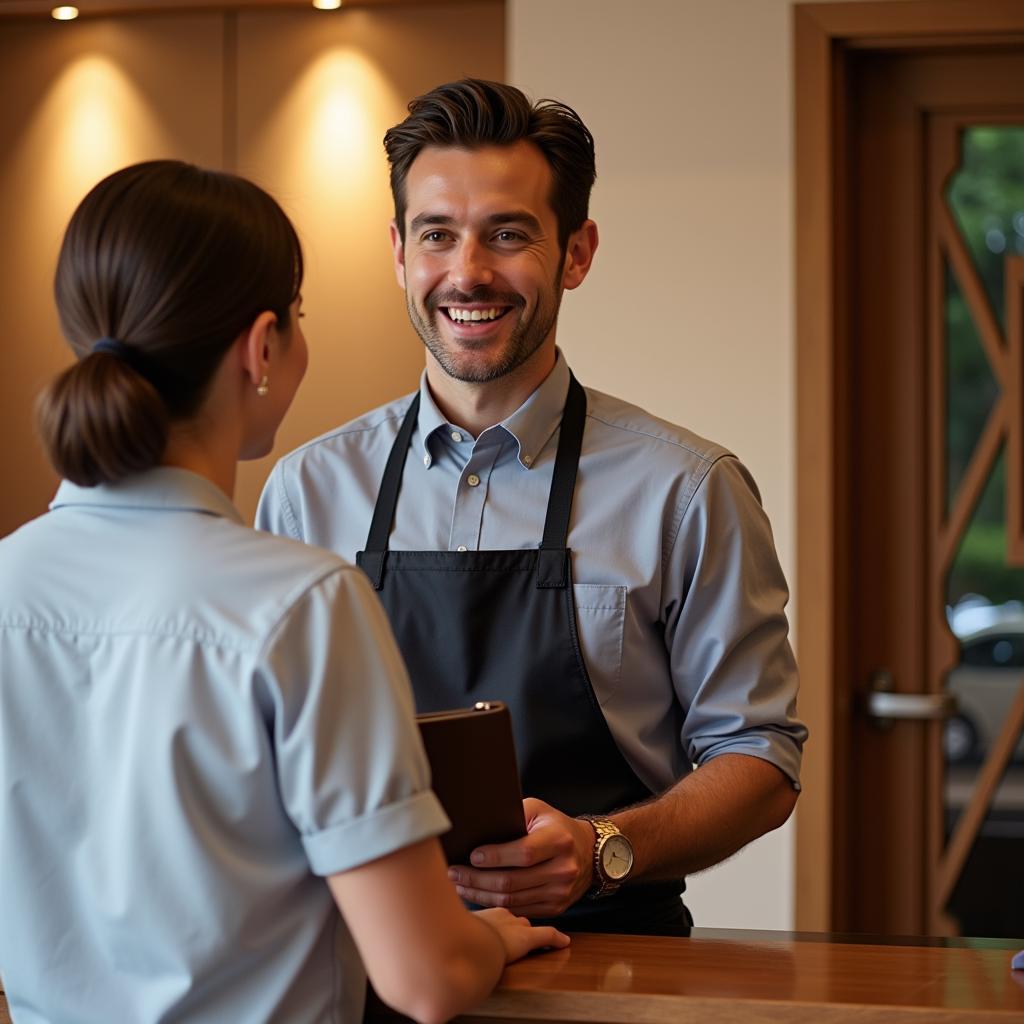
column 509, row 236
column 434, row 236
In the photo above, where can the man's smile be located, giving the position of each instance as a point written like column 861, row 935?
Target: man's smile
column 465, row 314
column 475, row 321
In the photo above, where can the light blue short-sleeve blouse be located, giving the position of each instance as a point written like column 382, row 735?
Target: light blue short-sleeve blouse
column 196, row 720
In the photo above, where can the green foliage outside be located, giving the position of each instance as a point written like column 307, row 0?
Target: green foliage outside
column 981, row 566
column 987, row 199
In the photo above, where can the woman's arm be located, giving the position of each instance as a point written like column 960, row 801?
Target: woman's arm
column 425, row 954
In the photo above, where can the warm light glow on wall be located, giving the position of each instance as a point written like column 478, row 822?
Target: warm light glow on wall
column 64, row 13
column 100, row 107
column 91, row 122
column 333, row 115
column 326, row 5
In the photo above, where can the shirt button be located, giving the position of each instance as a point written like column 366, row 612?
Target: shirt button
column 426, row 460
column 456, row 436
column 462, row 547
column 472, row 479
column 527, row 459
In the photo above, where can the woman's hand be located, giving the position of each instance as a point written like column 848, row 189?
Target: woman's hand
column 518, row 936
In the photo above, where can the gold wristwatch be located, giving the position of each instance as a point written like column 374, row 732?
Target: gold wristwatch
column 613, row 857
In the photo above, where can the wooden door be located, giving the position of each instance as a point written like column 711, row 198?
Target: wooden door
column 934, row 423
column 926, row 496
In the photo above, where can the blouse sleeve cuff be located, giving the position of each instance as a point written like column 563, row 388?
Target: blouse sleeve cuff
column 375, row 834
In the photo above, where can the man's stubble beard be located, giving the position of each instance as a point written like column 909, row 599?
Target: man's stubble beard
column 527, row 336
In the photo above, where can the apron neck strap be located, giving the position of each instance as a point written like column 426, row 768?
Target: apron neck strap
column 387, row 498
column 553, row 567
column 552, row 570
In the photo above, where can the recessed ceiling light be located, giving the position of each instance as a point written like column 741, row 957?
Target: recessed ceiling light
column 65, row 13
column 326, row 5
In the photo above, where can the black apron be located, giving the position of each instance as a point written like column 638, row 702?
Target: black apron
column 501, row 625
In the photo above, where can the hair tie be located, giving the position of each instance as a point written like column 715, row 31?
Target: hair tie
column 116, row 348
column 132, row 358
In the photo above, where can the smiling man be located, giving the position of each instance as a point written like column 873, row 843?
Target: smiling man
column 611, row 576
column 481, row 323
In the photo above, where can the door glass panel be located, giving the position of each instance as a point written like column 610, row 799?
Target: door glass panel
column 984, row 595
column 986, row 195
column 986, row 614
column 971, row 390
column 985, row 608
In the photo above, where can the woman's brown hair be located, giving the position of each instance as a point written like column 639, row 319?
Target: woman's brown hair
column 169, row 263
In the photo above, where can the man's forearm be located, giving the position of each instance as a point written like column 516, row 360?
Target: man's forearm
column 715, row 811
column 703, row 819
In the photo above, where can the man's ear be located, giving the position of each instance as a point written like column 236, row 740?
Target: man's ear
column 579, row 254
column 398, row 251
column 254, row 345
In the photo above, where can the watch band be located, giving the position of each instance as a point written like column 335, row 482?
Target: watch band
column 604, row 829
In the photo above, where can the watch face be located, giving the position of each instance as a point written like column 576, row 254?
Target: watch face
column 616, row 858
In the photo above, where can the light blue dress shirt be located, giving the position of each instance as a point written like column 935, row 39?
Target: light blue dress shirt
column 679, row 594
column 196, row 720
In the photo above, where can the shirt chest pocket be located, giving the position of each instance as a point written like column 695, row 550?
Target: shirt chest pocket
column 601, row 622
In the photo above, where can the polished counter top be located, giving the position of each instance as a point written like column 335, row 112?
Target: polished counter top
column 741, row 977
column 759, row 976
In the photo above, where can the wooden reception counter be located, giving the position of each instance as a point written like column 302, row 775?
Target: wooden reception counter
column 735, row 977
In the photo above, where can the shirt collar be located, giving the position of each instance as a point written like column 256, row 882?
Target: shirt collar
column 531, row 425
column 430, row 419
column 164, row 488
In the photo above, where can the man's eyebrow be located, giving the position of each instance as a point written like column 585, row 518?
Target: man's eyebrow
column 421, row 220
column 523, row 217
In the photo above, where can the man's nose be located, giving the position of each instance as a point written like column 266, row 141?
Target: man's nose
column 470, row 267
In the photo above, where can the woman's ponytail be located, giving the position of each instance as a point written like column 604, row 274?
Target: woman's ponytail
column 100, row 420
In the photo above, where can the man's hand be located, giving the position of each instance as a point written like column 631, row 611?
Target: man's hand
column 540, row 875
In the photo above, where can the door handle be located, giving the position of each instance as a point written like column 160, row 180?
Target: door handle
column 886, row 706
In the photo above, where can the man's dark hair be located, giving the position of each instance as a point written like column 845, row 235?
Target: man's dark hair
column 474, row 113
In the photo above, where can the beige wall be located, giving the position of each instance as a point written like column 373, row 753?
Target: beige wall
column 688, row 310
column 297, row 100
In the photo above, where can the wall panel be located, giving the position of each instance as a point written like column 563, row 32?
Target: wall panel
column 79, row 101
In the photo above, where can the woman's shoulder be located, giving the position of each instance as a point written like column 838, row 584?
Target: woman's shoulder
column 260, row 563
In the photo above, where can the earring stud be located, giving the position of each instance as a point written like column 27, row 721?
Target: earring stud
column 263, row 387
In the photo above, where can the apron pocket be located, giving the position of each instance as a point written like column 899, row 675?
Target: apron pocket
column 601, row 621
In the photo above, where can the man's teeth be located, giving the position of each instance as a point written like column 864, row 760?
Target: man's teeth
column 462, row 315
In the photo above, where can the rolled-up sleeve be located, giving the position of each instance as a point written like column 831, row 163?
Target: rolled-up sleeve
column 351, row 769
column 726, row 629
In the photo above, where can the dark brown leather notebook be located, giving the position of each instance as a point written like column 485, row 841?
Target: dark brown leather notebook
column 475, row 776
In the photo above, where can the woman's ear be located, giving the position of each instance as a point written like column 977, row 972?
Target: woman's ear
column 254, row 347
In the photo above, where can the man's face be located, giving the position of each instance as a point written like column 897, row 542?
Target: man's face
column 481, row 266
